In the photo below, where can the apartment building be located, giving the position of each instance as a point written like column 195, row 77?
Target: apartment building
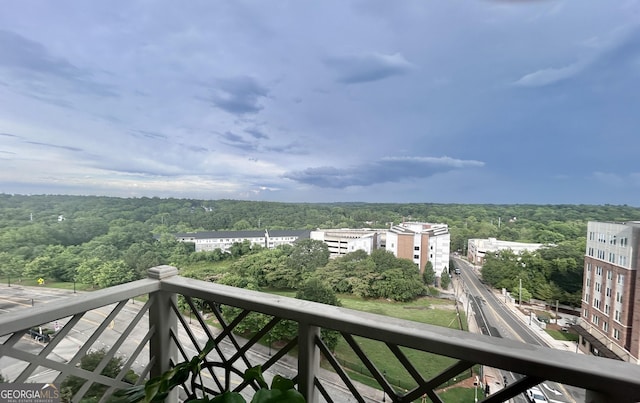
column 477, row 248
column 417, row 241
column 421, row 242
column 223, row 240
column 610, row 319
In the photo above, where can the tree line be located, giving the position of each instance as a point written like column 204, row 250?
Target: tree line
column 106, row 240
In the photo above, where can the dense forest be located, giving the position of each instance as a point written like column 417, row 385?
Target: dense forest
column 104, row 240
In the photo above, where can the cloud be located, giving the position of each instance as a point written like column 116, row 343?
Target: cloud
column 606, row 51
column 48, row 145
column 548, row 76
column 21, row 53
column 239, row 95
column 368, row 67
column 256, row 133
column 390, row 169
column 33, row 64
column 237, row 141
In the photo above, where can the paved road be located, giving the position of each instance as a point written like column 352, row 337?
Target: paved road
column 495, row 319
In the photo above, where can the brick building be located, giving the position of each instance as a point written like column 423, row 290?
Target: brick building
column 610, row 318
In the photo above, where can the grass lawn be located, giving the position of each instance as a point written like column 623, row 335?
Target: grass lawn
column 565, row 336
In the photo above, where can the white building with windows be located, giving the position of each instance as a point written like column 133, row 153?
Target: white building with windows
column 343, row 241
column 223, row 240
column 421, row 242
column 477, row 248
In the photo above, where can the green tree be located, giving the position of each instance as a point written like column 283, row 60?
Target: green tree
column 87, row 270
column 428, row 275
column 445, row 279
column 315, row 290
column 72, row 384
column 306, row 256
column 113, row 273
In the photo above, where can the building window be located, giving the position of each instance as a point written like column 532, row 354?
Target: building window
column 617, row 316
column 589, row 266
column 620, row 278
column 597, row 287
column 607, row 309
column 618, row 297
column 416, row 248
column 608, row 292
column 595, row 319
column 616, row 334
column 585, row 313
column 590, row 252
column 416, row 256
column 609, row 276
column 612, row 257
column 588, row 282
column 605, row 326
column 598, row 271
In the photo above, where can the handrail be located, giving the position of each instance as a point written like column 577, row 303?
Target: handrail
column 14, row 321
column 610, row 378
column 589, row 372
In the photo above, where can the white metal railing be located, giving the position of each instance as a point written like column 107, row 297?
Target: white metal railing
column 153, row 335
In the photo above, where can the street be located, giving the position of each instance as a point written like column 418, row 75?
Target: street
column 490, row 312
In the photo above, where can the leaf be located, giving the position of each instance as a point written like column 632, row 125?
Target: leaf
column 255, row 374
column 282, row 383
column 151, row 388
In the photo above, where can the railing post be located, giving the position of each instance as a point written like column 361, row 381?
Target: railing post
column 308, row 360
column 161, row 316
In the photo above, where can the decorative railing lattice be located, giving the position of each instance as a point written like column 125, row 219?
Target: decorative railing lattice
column 151, row 324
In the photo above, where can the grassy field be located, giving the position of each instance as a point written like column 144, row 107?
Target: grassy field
column 565, row 336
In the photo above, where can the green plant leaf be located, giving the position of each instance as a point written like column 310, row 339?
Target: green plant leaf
column 282, row 383
column 255, row 374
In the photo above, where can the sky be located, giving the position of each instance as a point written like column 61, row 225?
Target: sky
column 481, row 101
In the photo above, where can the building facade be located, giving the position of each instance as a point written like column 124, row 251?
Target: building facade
column 610, row 319
column 477, row 248
column 223, row 240
column 343, row 241
column 416, row 241
column 421, row 243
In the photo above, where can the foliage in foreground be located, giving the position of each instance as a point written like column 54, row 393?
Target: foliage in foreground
column 189, row 372
column 71, row 385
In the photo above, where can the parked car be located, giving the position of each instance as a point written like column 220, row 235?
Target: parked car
column 535, row 395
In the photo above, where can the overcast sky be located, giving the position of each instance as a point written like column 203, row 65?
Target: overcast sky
column 319, row 101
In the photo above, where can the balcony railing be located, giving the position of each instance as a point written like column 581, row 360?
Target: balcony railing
column 144, row 324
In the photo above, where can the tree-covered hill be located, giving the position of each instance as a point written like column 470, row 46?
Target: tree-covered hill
column 67, row 237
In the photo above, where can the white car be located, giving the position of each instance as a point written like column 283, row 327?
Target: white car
column 535, row 396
